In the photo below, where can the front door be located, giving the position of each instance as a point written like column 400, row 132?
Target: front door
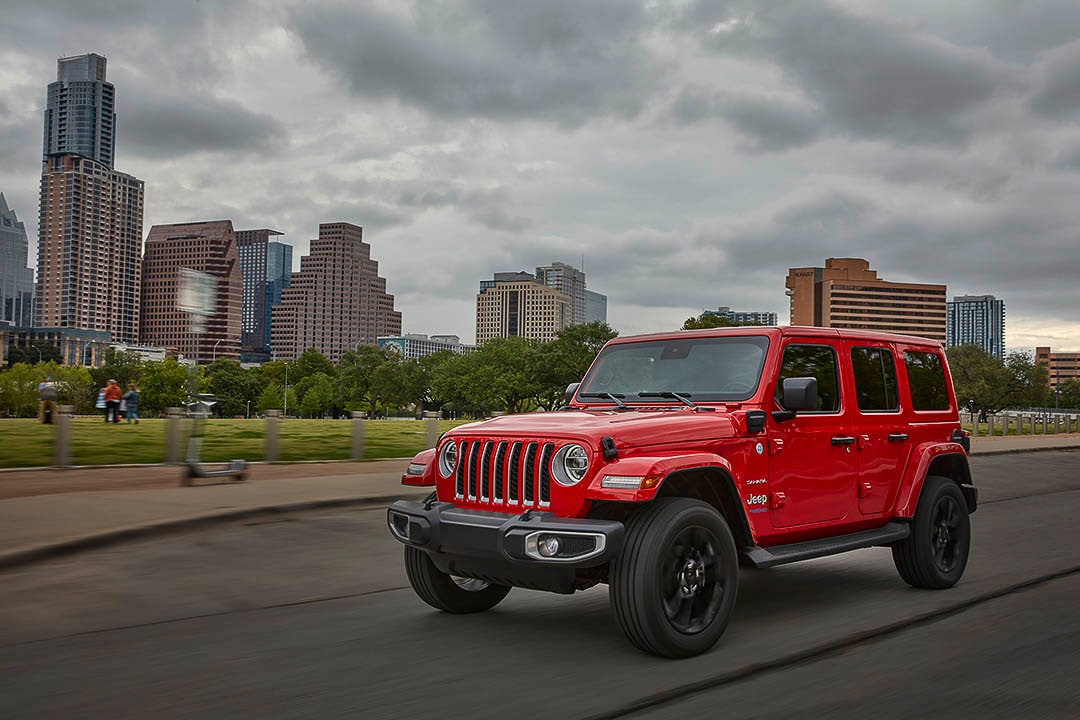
column 812, row 463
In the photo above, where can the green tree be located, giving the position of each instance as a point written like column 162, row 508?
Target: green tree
column 164, row 385
column 992, row 384
column 37, row 352
column 233, row 385
column 316, row 394
column 75, row 386
column 356, row 374
column 708, row 320
column 1068, row 395
column 271, row 398
column 18, row 389
column 565, row 360
column 124, row 367
column 501, row 373
column 311, row 361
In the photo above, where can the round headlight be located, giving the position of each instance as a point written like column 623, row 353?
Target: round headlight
column 448, row 459
column 570, row 465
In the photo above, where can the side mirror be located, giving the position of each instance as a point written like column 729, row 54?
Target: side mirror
column 800, row 393
column 571, row 390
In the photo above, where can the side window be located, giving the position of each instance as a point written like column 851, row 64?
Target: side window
column 816, row 361
column 926, row 376
column 875, row 379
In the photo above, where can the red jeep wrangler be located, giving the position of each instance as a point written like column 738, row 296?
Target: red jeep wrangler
column 681, row 455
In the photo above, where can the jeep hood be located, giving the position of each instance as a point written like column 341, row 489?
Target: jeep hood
column 636, row 428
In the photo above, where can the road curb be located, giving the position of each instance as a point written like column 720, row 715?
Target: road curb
column 36, row 553
column 1016, row 451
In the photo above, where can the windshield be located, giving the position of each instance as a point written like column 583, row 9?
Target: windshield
column 725, row 369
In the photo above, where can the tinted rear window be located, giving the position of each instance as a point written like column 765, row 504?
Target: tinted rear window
column 875, row 379
column 926, row 377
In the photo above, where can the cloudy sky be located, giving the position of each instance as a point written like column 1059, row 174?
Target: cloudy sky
column 688, row 152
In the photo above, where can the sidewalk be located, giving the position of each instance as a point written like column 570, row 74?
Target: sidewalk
column 44, row 513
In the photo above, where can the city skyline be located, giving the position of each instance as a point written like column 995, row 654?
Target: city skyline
column 706, row 146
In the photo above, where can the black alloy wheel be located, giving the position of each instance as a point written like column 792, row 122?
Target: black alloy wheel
column 673, row 584
column 691, row 583
column 935, row 554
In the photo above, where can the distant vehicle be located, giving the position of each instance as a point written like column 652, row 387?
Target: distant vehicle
column 682, row 455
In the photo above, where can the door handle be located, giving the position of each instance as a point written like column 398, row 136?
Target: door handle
column 842, row 440
column 897, row 437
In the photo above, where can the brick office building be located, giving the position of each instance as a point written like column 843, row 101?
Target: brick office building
column 336, row 302
column 846, row 293
column 208, row 247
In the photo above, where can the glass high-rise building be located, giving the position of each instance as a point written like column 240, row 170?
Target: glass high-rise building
column 266, row 266
column 90, row 215
column 80, row 117
column 571, row 282
column 16, row 279
column 976, row 320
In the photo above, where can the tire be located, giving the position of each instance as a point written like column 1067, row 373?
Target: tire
column 447, row 593
column 935, row 554
column 673, row 585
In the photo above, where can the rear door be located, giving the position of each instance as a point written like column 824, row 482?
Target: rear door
column 882, row 438
column 812, row 466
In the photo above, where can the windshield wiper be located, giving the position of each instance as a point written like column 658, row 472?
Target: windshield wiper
column 614, row 397
column 683, row 397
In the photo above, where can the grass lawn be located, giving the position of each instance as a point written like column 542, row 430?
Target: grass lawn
column 26, row 443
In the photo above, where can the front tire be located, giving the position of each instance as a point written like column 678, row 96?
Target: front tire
column 673, row 585
column 935, row 554
column 447, row 593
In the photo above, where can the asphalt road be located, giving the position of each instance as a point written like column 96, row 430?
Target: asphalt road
column 310, row 616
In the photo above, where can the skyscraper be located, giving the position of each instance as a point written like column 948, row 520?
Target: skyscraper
column 569, row 281
column 208, row 247
column 336, row 302
column 516, row 304
column 595, row 307
column 16, row 279
column 90, row 216
column 846, row 293
column 976, row 320
column 266, row 266
column 79, row 110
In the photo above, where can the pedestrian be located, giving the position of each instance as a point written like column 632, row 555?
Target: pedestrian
column 112, row 401
column 47, row 398
column 131, row 400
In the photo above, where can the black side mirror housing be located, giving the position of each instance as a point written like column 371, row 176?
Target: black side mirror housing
column 571, row 391
column 800, row 393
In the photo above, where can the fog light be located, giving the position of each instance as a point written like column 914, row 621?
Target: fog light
column 547, row 546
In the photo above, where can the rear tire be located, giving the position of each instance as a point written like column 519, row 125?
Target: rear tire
column 935, row 554
column 673, row 585
column 446, row 593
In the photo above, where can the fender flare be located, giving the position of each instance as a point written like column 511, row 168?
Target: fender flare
column 925, row 454
column 660, row 469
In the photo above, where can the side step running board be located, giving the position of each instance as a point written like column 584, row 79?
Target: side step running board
column 781, row 554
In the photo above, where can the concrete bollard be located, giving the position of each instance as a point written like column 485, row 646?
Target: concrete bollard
column 431, row 425
column 990, row 426
column 358, row 417
column 172, row 435
column 62, row 435
column 270, row 451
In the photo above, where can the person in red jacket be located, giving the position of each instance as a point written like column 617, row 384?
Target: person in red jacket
column 112, row 401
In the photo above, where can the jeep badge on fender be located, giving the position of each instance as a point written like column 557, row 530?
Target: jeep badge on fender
column 680, row 455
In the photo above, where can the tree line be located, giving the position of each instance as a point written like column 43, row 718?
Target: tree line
column 503, row 375
column 507, row 375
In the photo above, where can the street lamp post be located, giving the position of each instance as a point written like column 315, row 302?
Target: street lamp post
column 286, row 411
column 214, row 356
column 38, row 352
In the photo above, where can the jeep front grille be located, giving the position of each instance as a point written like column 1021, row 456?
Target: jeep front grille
column 504, row 473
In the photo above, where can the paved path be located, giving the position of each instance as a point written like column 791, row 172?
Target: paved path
column 49, row 512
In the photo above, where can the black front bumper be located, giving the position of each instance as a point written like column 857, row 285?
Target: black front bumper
column 503, row 549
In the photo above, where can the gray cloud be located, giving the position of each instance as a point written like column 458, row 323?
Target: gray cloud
column 168, row 122
column 561, row 61
column 871, row 77
column 767, row 122
column 1057, row 88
